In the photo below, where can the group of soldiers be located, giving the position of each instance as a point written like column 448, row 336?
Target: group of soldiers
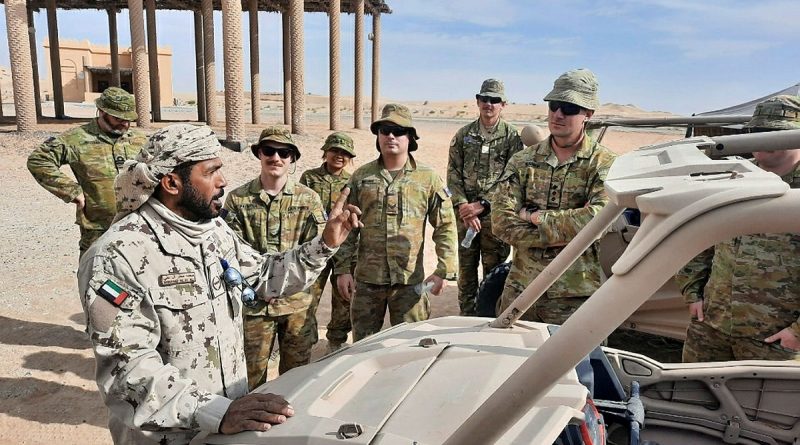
column 187, row 297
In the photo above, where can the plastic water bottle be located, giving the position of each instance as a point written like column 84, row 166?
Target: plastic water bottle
column 467, row 241
column 423, row 287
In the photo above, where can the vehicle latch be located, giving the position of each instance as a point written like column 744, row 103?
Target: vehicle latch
column 349, row 431
column 427, row 342
column 732, row 432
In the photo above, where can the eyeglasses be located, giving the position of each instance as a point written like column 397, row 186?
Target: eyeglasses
column 233, row 278
column 396, row 131
column 489, row 99
column 268, row 151
column 567, row 108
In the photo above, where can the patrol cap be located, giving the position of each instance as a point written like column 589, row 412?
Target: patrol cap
column 493, row 88
column 400, row 116
column 341, row 141
column 276, row 134
column 777, row 113
column 577, row 87
column 118, row 103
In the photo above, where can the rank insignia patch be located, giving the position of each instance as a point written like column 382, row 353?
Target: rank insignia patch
column 112, row 292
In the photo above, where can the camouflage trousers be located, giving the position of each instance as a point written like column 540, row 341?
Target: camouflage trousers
column 545, row 310
column 339, row 326
column 294, row 339
column 706, row 344
column 88, row 236
column 369, row 304
column 486, row 249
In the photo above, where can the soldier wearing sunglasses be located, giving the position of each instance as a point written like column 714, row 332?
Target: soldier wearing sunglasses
column 273, row 213
column 478, row 155
column 548, row 192
column 397, row 196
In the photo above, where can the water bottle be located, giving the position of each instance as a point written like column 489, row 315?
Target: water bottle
column 467, row 241
column 423, row 287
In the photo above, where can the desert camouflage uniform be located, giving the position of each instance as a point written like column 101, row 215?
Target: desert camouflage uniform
column 170, row 356
column 475, row 163
column 272, row 225
column 95, row 159
column 568, row 195
column 750, row 290
column 329, row 188
column 390, row 246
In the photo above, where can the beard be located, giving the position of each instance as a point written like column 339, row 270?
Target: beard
column 192, row 202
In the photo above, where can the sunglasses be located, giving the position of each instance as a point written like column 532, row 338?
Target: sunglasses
column 488, row 99
column 396, row 131
column 233, row 278
column 567, row 108
column 284, row 153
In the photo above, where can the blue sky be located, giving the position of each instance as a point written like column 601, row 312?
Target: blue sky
column 669, row 55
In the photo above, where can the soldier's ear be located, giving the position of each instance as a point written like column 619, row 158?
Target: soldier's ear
column 171, row 184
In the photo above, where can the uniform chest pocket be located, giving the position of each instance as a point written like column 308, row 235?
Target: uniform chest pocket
column 414, row 203
column 184, row 316
column 370, row 199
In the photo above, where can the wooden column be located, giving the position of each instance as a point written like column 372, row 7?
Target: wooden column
column 209, row 63
column 37, row 97
column 298, row 54
column 334, row 13
column 255, row 87
column 55, row 60
column 358, row 104
column 376, row 63
column 287, row 67
column 141, row 82
column 19, row 52
column 113, row 38
column 200, row 74
column 152, row 59
column 235, row 135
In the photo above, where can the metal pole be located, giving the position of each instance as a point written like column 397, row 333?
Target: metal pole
column 335, row 52
column 298, row 95
column 359, row 65
column 376, row 63
column 19, row 51
column 152, row 57
column 114, row 46
column 210, row 65
column 141, row 83
column 235, row 134
column 37, row 97
column 287, row 67
column 255, row 93
column 55, row 60
column 199, row 68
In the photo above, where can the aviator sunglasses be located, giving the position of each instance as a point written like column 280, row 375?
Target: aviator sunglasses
column 488, row 99
column 567, row 108
column 396, row 131
column 268, row 151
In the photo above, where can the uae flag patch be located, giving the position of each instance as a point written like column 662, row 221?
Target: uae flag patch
column 112, row 292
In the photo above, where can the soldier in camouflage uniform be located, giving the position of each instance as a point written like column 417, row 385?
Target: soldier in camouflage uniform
column 328, row 180
column 744, row 294
column 273, row 214
column 397, row 195
column 163, row 291
column 478, row 154
column 95, row 152
column 547, row 194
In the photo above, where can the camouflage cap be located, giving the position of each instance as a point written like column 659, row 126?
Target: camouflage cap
column 577, row 87
column 493, row 88
column 279, row 135
column 118, row 103
column 400, row 116
column 341, row 141
column 777, row 113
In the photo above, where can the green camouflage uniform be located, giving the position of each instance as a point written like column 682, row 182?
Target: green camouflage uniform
column 390, row 246
column 95, row 159
column 329, row 188
column 475, row 163
column 272, row 225
column 568, row 195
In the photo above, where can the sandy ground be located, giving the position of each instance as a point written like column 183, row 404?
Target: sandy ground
column 47, row 389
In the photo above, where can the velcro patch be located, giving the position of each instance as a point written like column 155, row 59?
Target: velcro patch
column 172, row 279
column 447, row 192
column 112, row 293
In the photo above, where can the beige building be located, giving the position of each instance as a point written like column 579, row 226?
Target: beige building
column 86, row 71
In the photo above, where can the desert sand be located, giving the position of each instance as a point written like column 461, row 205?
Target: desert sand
column 47, row 388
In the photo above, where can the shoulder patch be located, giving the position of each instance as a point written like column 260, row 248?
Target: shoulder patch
column 454, row 141
column 112, row 293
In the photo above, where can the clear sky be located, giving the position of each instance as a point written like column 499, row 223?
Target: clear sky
column 681, row 56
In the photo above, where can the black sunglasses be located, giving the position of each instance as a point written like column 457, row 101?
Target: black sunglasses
column 567, row 108
column 396, row 131
column 488, row 99
column 268, row 151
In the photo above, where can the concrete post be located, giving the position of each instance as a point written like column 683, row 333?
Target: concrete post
column 141, row 82
column 37, row 97
column 113, row 38
column 287, row 68
column 334, row 13
column 298, row 95
column 235, row 137
column 152, row 59
column 359, row 65
column 55, row 60
column 19, row 51
column 208, row 59
column 255, row 87
column 376, row 63
column 200, row 73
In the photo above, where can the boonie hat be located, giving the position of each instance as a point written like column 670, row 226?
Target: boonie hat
column 341, row 141
column 493, row 88
column 118, row 103
column 577, row 87
column 400, row 116
column 276, row 134
column 777, row 113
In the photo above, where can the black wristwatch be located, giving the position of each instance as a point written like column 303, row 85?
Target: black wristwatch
column 487, row 207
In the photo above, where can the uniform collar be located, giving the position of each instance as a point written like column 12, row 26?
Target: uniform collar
column 545, row 149
column 170, row 240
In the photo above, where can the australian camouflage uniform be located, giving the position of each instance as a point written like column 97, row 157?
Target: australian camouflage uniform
column 95, row 159
column 476, row 161
column 272, row 225
column 329, row 188
column 568, row 195
column 390, row 246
